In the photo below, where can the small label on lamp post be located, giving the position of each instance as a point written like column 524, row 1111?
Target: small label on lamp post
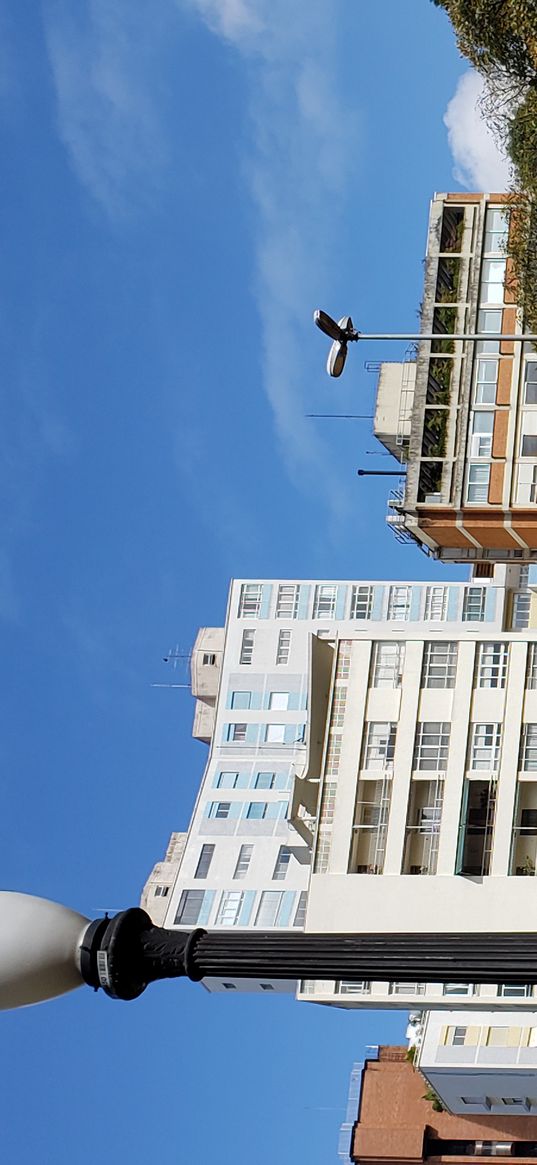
column 102, row 968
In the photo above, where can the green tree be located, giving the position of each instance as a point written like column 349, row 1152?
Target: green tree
column 497, row 33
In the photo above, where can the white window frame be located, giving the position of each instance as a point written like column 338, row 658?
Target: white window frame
column 247, row 646
column 431, row 746
column 361, row 602
column 275, row 733
column 486, row 380
column 250, row 600
column 473, row 604
column 492, row 659
column 492, row 284
column 242, row 864
column 324, row 603
column 379, row 745
column 482, row 427
column 528, row 748
column 439, row 668
column 485, row 747
column 388, row 661
column 282, row 863
column 399, row 600
column 194, row 897
column 531, row 675
column 279, row 701
column 436, row 604
column 229, row 908
column 237, row 732
column 477, row 483
column 283, row 648
column 265, row 917
column 287, row 601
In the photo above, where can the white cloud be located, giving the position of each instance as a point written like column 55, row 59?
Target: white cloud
column 103, row 68
column 479, row 162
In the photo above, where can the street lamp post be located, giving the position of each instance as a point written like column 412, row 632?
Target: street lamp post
column 46, row 950
column 343, row 332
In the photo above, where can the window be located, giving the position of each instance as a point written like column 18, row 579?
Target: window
column 492, row 281
column 237, row 732
column 204, row 861
column 388, row 663
column 520, row 616
column 162, row 891
column 257, row 810
column 486, row 380
column 458, row 989
column 458, row 1036
column 439, row 664
column 492, row 665
column 431, row 746
column 399, row 603
column 267, row 986
column 515, row 990
column 269, row 907
column 209, row 659
column 279, row 701
column 247, row 647
column 250, row 600
column 241, row 699
column 264, row 781
column 229, row 908
column 282, row 864
column 300, row 912
column 528, row 748
column 526, row 492
column 189, row 908
column 353, row 987
column 229, row 986
column 482, row 1101
column 496, row 230
column 287, row 601
column 509, row 1100
column 284, row 646
column 361, row 602
column 488, row 321
column 379, row 745
column 477, row 486
column 481, row 434
column 324, row 603
column 406, row 988
column 485, row 747
column 227, row 780
column 436, row 604
column 243, row 861
column 530, row 382
column 528, row 445
column 531, row 680
column 275, row 733
column 219, row 809
column 473, row 607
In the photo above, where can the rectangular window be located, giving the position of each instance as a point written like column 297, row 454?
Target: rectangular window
column 458, row 1036
column 227, row 780
column 488, row 321
column 528, row 748
column 492, row 665
column 496, row 230
column 520, row 616
column 526, row 491
column 436, row 604
column 229, row 908
column 482, row 1101
column 162, row 891
column 431, row 746
column 257, row 810
column 353, row 987
column 287, row 601
column 492, row 281
column 269, row 907
column 515, row 990
column 439, row 664
column 399, row 603
column 388, row 663
column 204, row 861
column 477, row 486
column 361, row 602
column 486, row 380
column 510, row 1100
column 398, row 988
column 250, row 600
column 485, row 747
column 247, row 647
column 282, row 864
column 219, row 809
column 209, row 659
column 279, row 701
column 379, row 745
column 300, row 913
column 458, row 989
column 530, row 382
column 241, row 700
column 531, row 678
column 284, row 646
column 243, row 861
column 324, row 604
column 275, row 733
column 473, row 607
column 189, row 908
column 482, row 424
column 237, row 732
column 528, row 445
column 264, row 781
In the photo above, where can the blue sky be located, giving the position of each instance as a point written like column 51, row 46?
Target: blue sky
column 183, row 182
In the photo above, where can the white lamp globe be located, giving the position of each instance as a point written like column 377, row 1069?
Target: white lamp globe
column 39, row 949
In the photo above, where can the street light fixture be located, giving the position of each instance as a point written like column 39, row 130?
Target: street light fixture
column 344, row 332
column 47, row 949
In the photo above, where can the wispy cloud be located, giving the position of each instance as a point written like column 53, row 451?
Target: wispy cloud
column 103, row 68
column 479, row 162
column 302, row 147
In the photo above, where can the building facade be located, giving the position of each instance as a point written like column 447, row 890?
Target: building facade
column 462, row 416
column 396, row 1122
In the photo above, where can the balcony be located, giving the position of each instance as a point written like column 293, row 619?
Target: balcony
column 370, row 827
column 477, row 828
column 423, row 827
column 524, row 843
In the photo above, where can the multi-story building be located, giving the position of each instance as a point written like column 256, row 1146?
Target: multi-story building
column 462, row 415
column 387, row 729
column 481, row 1064
column 397, row 1123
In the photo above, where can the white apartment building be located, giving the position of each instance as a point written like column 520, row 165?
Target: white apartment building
column 389, row 729
column 483, row 1064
